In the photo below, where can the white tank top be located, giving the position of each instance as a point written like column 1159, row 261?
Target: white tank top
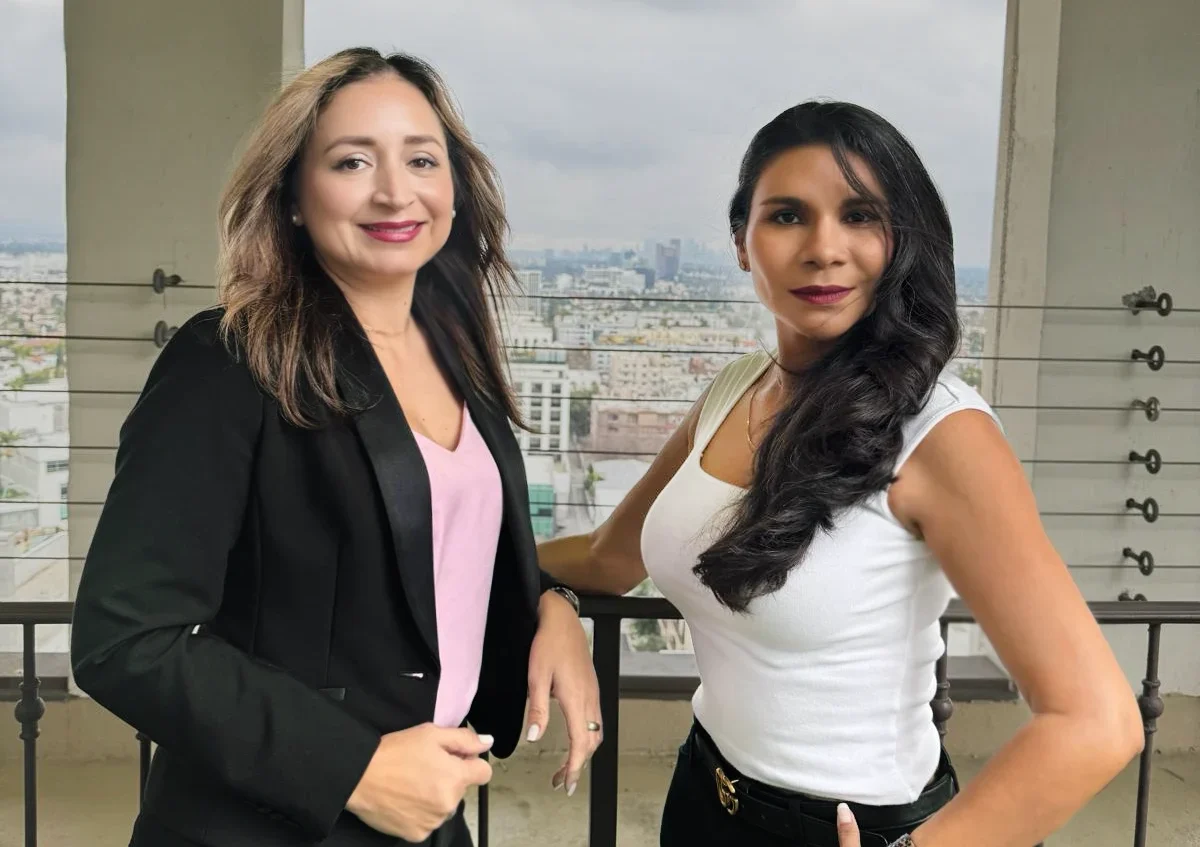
column 824, row 686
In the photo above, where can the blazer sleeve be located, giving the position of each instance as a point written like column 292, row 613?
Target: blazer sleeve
column 547, row 582
column 155, row 570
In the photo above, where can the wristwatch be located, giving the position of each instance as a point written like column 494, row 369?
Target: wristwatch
column 903, row 841
column 568, row 595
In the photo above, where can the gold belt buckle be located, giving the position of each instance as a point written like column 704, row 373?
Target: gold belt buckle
column 726, row 792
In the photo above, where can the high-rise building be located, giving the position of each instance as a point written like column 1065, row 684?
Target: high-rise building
column 543, row 392
column 613, row 281
column 539, row 478
column 666, row 260
column 530, row 280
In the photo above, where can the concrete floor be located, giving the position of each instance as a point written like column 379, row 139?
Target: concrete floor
column 92, row 804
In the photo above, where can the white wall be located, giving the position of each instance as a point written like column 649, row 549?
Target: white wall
column 1098, row 194
column 1124, row 213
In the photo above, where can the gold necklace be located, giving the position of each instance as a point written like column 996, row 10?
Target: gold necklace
column 386, row 333
column 749, row 415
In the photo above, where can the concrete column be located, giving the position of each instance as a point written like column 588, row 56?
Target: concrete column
column 1020, row 233
column 160, row 94
column 1124, row 213
column 1097, row 195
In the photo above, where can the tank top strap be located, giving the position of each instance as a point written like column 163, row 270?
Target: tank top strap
column 726, row 389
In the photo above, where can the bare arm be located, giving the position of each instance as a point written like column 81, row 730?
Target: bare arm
column 966, row 494
column 609, row 559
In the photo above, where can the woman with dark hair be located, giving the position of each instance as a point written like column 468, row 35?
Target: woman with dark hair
column 315, row 565
column 816, row 511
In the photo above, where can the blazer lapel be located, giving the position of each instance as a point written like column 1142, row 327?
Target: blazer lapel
column 399, row 471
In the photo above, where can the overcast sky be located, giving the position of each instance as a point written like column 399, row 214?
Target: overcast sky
column 610, row 121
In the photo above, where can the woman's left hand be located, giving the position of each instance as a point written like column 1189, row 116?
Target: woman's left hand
column 560, row 666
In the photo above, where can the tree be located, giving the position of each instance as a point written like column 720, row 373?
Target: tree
column 589, row 481
column 645, row 634
column 581, row 412
column 971, row 374
column 12, row 492
column 9, row 437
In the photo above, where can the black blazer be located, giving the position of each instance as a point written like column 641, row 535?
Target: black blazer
column 258, row 598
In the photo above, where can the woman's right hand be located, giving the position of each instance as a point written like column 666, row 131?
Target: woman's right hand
column 417, row 778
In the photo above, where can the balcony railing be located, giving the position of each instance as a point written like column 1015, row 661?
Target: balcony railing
column 607, row 614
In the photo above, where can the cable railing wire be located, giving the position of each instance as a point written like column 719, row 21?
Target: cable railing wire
column 130, row 392
column 671, row 351
column 714, row 301
column 583, row 451
column 585, row 504
column 1114, row 567
column 71, row 283
column 755, row 301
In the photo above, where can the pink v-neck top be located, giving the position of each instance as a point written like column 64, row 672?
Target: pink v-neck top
column 464, row 485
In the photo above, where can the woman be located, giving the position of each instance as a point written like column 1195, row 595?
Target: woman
column 813, row 514
column 315, row 563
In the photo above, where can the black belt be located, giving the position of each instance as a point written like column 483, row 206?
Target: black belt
column 812, row 820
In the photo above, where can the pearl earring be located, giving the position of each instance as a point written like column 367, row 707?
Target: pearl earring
column 453, row 212
column 296, row 219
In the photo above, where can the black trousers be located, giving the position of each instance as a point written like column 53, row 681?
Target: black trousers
column 698, row 813
column 453, row 834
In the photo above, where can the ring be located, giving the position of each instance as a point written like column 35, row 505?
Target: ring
column 593, row 726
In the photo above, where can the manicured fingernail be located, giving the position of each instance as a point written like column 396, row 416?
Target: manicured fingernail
column 554, row 782
column 533, row 733
column 486, row 739
column 843, row 814
column 571, row 788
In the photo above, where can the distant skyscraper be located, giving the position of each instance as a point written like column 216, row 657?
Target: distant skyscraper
column 666, row 260
column 530, row 280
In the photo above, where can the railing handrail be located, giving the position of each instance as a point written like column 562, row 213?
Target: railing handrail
column 14, row 613
column 607, row 613
column 1105, row 611
column 653, row 608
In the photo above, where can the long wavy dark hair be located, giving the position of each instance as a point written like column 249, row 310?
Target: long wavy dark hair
column 274, row 293
column 838, row 436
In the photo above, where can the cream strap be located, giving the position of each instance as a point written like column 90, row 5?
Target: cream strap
column 730, row 384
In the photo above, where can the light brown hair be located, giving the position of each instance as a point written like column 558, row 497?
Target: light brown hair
column 271, row 288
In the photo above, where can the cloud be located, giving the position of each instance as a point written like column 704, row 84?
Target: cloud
column 629, row 122
column 613, row 121
column 32, row 186
column 33, row 75
column 693, row 7
column 33, row 107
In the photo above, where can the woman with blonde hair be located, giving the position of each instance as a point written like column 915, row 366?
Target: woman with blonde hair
column 315, row 566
